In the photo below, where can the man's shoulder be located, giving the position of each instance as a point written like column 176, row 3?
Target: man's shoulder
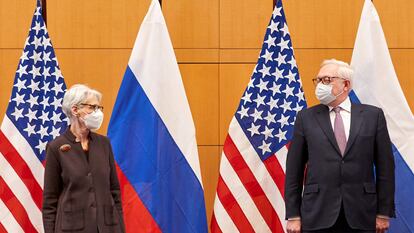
column 367, row 107
column 358, row 106
column 312, row 109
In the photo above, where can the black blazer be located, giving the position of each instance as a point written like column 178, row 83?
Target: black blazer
column 81, row 196
column 331, row 180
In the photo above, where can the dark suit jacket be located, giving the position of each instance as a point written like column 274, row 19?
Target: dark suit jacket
column 79, row 196
column 332, row 180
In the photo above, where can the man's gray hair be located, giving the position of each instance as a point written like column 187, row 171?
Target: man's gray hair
column 76, row 95
column 345, row 71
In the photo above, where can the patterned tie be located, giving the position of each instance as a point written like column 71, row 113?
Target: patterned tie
column 339, row 130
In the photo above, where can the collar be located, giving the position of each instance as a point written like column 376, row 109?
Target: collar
column 71, row 137
column 345, row 105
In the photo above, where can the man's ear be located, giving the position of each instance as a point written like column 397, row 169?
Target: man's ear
column 347, row 85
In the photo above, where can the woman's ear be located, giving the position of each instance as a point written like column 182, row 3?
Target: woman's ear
column 74, row 111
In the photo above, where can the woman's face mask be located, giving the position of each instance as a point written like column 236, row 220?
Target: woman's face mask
column 93, row 120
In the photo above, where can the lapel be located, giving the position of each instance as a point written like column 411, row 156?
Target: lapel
column 77, row 149
column 322, row 116
column 93, row 150
column 356, row 121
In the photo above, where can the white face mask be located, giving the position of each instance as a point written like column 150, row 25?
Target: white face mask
column 324, row 93
column 93, row 120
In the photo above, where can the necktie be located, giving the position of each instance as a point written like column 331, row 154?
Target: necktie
column 339, row 130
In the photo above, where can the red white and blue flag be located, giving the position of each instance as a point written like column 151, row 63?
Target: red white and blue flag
column 34, row 116
column 250, row 189
column 375, row 82
column 153, row 138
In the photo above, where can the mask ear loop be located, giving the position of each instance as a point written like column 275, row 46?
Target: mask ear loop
column 343, row 90
column 336, row 96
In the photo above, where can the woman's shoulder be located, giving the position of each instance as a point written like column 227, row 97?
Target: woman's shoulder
column 99, row 137
column 58, row 142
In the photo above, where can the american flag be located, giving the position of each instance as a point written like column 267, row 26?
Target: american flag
column 34, row 116
column 250, row 191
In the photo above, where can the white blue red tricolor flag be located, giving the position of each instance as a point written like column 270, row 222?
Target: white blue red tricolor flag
column 376, row 83
column 250, row 189
column 153, row 138
column 34, row 116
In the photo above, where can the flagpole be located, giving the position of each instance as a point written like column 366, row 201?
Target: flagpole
column 44, row 13
column 160, row 3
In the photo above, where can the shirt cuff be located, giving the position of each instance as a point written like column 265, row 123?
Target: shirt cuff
column 382, row 216
column 294, row 218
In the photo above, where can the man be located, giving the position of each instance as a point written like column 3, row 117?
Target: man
column 342, row 159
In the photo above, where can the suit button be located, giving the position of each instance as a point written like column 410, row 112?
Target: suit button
column 89, row 174
column 343, row 162
column 91, row 189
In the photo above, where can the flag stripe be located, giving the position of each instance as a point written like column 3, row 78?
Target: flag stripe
column 159, row 90
column 259, row 170
column 165, row 184
column 384, row 89
column 133, row 207
column 276, row 172
column 252, row 186
column 13, row 213
column 2, row 229
column 11, row 179
column 24, row 149
column 227, row 203
column 373, row 68
column 223, row 219
column 281, row 156
column 214, row 225
column 21, row 168
column 404, row 188
column 244, row 199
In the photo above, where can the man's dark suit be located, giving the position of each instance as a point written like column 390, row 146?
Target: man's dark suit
column 80, row 196
column 332, row 180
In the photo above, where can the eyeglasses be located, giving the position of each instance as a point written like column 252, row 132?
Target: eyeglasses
column 93, row 107
column 325, row 80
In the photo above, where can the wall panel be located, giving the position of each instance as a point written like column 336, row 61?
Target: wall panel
column 100, row 69
column 404, row 67
column 197, row 55
column 239, row 55
column 210, row 165
column 201, row 85
column 397, row 21
column 95, row 23
column 233, row 82
column 323, row 23
column 15, row 19
column 9, row 59
column 193, row 23
column 243, row 23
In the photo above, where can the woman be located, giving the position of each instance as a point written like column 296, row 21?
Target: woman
column 81, row 189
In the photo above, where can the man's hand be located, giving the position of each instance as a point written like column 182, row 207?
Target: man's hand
column 382, row 224
column 293, row 226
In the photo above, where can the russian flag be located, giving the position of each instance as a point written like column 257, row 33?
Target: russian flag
column 376, row 83
column 153, row 138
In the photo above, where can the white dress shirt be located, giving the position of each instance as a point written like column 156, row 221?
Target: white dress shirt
column 345, row 114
